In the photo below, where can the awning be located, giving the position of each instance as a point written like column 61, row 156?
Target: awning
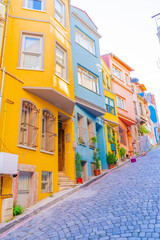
column 54, row 97
column 128, row 121
column 111, row 124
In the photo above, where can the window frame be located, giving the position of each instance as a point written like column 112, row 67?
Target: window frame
column 109, row 134
column 28, row 127
column 43, row 149
column 115, row 70
column 122, row 101
column 81, row 35
column 87, row 73
column 43, row 8
column 81, row 129
column 41, row 53
column 91, row 132
column 110, row 106
column 59, row 14
column 47, row 181
column 65, row 65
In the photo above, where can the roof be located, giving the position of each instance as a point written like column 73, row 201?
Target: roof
column 106, row 59
column 86, row 14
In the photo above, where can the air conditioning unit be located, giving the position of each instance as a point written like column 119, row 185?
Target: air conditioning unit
column 8, row 163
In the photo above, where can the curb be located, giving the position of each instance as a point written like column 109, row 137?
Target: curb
column 29, row 215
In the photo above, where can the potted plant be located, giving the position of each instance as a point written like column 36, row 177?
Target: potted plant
column 111, row 160
column 122, row 152
column 94, row 141
column 81, row 141
column 97, row 162
column 78, row 160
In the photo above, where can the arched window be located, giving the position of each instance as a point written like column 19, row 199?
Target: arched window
column 28, row 124
column 47, row 133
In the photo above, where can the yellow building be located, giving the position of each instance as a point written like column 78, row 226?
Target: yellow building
column 110, row 118
column 36, row 121
column 2, row 18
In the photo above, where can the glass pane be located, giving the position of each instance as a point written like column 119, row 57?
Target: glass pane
column 32, row 45
column 107, row 108
column 31, row 62
column 59, row 7
column 60, row 70
column 35, row 4
column 112, row 110
column 59, row 18
column 111, row 103
column 59, row 55
column 106, row 100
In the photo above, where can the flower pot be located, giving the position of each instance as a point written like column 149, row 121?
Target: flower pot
column 97, row 172
column 79, row 180
column 111, row 166
column 144, row 154
column 133, row 159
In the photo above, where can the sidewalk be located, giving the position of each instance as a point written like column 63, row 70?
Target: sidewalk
column 50, row 201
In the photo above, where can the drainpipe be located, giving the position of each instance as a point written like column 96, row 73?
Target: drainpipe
column 2, row 86
column 5, row 34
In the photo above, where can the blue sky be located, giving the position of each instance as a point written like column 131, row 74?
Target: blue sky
column 129, row 32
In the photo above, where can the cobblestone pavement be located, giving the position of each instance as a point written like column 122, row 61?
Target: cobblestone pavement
column 122, row 205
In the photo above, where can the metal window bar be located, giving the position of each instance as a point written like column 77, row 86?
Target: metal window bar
column 81, row 135
column 90, row 135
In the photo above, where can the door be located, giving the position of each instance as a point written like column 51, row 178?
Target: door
column 61, row 150
column 84, row 171
column 23, row 189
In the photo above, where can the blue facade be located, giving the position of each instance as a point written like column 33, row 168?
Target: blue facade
column 90, row 102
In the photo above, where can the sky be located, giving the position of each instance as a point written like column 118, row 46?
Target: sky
column 129, row 32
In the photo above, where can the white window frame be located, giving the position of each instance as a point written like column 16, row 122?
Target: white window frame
column 117, row 72
column 80, row 37
column 65, row 65
column 121, row 103
column 93, row 79
column 25, row 5
column 62, row 16
column 40, row 53
column 50, row 177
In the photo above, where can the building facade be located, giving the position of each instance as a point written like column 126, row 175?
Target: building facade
column 89, row 91
column 121, row 85
column 37, row 122
column 111, row 116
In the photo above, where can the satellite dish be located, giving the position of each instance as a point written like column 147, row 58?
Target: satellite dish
column 134, row 80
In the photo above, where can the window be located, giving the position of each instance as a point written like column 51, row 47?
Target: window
column 46, row 182
column 107, row 80
column 87, row 80
column 31, row 53
column 113, row 138
column 122, row 136
column 85, row 41
column 127, row 79
column 60, row 12
column 121, row 103
column 135, row 107
column 47, row 134
column 141, row 108
column 90, row 128
column 28, row 125
column 117, row 72
column 81, row 129
column 109, row 133
column 35, row 4
column 110, row 105
column 61, row 56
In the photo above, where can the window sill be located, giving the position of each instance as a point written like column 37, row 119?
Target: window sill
column 28, row 69
column 62, row 78
column 80, row 144
column 42, row 151
column 60, row 24
column 35, row 10
column 122, row 109
column 89, row 90
column 86, row 49
column 29, row 148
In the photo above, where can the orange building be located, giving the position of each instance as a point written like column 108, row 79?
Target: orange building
column 121, row 85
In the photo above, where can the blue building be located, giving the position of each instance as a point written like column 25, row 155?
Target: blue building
column 89, row 92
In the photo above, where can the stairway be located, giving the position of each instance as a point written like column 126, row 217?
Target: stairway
column 64, row 181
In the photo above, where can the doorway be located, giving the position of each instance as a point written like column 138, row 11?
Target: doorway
column 61, row 150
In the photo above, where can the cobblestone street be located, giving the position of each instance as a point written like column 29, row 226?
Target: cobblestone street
column 124, row 204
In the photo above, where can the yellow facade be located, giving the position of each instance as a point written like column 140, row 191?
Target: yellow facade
column 111, row 120
column 43, row 88
column 2, row 17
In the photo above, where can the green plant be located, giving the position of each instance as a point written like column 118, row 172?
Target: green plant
column 7, row 220
column 94, row 140
column 51, row 195
column 81, row 141
column 122, row 151
column 78, row 160
column 18, row 209
column 111, row 158
column 96, row 159
column 143, row 130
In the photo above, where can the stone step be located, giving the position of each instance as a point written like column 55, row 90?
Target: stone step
column 67, row 183
column 63, row 178
column 62, row 173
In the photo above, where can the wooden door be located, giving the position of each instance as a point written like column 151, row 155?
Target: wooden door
column 23, row 189
column 61, row 150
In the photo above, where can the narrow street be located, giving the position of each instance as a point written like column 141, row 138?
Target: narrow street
column 124, row 205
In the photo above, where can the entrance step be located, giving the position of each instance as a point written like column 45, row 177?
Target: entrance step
column 64, row 181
